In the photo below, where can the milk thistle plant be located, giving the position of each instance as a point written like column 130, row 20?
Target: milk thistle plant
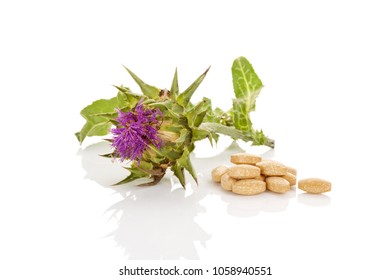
column 157, row 130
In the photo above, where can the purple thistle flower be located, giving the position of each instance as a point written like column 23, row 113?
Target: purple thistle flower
column 136, row 131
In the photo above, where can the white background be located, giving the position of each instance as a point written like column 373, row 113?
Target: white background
column 325, row 67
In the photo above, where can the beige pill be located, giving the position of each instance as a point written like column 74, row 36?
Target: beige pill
column 314, row 185
column 277, row 184
column 243, row 171
column 244, row 158
column 227, row 182
column 291, row 170
column 249, row 187
column 261, row 178
column 272, row 168
column 217, row 172
column 270, row 160
column 290, row 178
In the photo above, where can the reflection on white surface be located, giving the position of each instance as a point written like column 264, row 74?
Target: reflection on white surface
column 314, row 199
column 253, row 205
column 158, row 223
column 162, row 221
column 98, row 168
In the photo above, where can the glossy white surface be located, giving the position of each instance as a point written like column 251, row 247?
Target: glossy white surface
column 325, row 101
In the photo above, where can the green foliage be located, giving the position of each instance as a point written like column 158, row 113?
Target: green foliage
column 247, row 86
column 184, row 98
column 175, row 86
column 147, row 90
column 183, row 123
column 100, row 114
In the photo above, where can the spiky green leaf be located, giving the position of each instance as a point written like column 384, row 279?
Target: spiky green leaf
column 175, row 86
column 169, row 152
column 178, row 171
column 199, row 134
column 197, row 113
column 134, row 175
column 184, row 98
column 109, row 155
column 127, row 98
column 185, row 162
column 167, row 106
column 148, row 90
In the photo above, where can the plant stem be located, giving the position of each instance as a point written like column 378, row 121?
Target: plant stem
column 235, row 133
column 269, row 142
